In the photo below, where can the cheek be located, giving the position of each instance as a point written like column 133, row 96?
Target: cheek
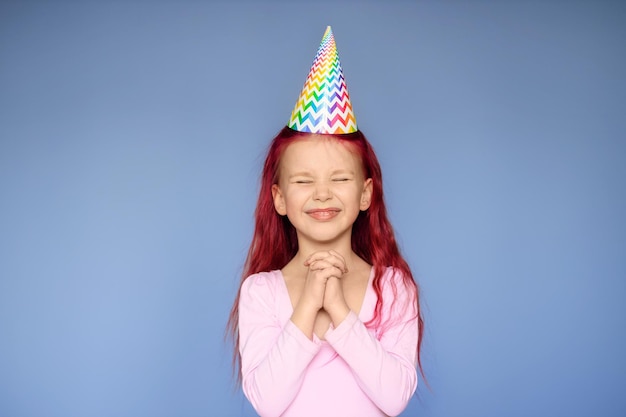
column 295, row 195
column 352, row 193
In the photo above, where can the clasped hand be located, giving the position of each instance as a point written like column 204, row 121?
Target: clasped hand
column 323, row 286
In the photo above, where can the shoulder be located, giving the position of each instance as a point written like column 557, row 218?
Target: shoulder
column 394, row 277
column 263, row 281
column 262, row 285
column 398, row 290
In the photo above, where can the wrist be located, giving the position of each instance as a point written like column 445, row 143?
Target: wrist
column 305, row 306
column 304, row 319
column 338, row 313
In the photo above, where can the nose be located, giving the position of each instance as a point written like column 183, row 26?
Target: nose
column 322, row 192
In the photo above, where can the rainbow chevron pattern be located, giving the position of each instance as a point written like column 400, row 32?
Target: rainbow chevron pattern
column 324, row 105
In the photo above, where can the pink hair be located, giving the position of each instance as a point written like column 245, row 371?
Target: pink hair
column 274, row 241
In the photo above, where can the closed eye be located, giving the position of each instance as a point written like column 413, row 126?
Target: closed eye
column 341, row 179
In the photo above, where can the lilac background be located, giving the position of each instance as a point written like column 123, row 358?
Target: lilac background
column 131, row 138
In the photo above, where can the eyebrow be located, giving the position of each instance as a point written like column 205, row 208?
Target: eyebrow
column 301, row 174
column 342, row 171
column 309, row 174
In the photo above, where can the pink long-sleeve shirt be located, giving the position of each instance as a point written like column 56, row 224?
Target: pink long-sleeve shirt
column 355, row 371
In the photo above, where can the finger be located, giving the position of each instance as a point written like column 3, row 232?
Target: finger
column 338, row 255
column 320, row 264
column 316, row 256
column 327, row 262
column 325, row 270
column 331, row 256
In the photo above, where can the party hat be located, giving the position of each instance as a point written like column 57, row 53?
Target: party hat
column 324, row 105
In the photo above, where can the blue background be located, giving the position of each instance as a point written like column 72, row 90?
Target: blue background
column 131, row 139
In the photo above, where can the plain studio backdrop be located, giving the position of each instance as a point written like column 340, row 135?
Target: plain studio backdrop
column 131, row 140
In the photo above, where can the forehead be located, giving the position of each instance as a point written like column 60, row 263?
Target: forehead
column 319, row 153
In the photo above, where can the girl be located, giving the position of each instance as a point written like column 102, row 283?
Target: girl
column 327, row 319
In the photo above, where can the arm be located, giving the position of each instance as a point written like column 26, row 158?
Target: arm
column 385, row 369
column 273, row 357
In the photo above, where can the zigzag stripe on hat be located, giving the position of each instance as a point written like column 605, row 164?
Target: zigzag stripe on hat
column 324, row 105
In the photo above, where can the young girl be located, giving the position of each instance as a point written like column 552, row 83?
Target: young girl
column 327, row 319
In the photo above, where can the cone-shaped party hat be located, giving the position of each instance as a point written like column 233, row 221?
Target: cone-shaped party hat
column 324, row 105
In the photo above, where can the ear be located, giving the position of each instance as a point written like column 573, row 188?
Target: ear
column 279, row 200
column 366, row 194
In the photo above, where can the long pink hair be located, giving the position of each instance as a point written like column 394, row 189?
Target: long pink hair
column 274, row 242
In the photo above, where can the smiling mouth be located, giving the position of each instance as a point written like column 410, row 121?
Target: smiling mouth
column 323, row 214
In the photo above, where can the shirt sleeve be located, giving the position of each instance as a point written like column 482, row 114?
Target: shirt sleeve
column 274, row 357
column 385, row 369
